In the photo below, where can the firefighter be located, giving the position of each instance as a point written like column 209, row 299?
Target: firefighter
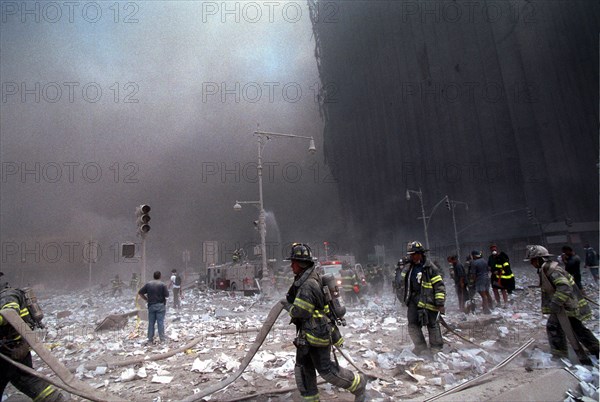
column 349, row 283
column 503, row 279
column 423, row 291
column 134, row 282
column 117, row 286
column 16, row 348
column 560, row 295
column 316, row 330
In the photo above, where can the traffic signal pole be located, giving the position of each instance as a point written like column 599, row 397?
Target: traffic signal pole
column 143, row 218
column 143, row 273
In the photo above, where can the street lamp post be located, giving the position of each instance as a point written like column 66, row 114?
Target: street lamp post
column 452, row 204
column 263, row 137
column 425, row 218
column 420, row 195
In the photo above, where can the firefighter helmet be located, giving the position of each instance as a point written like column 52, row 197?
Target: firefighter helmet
column 415, row 247
column 300, row 252
column 535, row 251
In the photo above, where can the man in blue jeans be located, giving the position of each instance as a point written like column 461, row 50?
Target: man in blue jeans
column 155, row 293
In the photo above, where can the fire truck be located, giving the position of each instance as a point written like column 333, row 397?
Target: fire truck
column 235, row 276
column 334, row 267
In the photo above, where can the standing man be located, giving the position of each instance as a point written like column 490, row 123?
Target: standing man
column 503, row 279
column 155, row 293
column 423, row 291
column 117, row 286
column 176, row 285
column 561, row 296
column 457, row 272
column 591, row 261
column 316, row 331
column 482, row 280
column 134, row 282
column 572, row 264
column 15, row 347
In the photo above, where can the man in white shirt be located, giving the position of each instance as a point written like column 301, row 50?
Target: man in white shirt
column 176, row 285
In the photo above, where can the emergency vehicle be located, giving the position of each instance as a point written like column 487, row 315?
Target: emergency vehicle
column 334, row 267
column 240, row 276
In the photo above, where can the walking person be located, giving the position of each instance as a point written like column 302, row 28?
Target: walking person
column 591, row 261
column 503, row 279
column 560, row 296
column 155, row 293
column 424, row 293
column 457, row 272
column 572, row 264
column 16, row 348
column 316, row 331
column 117, row 286
column 176, row 285
column 482, row 280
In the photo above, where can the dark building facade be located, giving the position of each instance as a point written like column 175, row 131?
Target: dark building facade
column 493, row 103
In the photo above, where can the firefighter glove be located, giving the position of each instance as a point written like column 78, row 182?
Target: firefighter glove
column 286, row 305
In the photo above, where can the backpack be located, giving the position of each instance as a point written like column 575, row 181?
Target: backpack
column 27, row 299
column 177, row 280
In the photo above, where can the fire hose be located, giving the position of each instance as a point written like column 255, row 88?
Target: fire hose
column 445, row 325
column 260, row 338
column 264, row 331
column 71, row 384
column 475, row 380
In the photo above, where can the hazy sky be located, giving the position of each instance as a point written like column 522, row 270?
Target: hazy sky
column 106, row 105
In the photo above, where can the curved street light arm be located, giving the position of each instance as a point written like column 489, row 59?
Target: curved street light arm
column 435, row 207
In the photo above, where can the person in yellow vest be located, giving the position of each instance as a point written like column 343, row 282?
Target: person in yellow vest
column 422, row 290
column 317, row 331
column 503, row 279
column 117, row 286
column 13, row 346
column 560, row 294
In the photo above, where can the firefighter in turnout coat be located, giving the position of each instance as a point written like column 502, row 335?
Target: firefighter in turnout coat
column 316, row 331
column 13, row 346
column 559, row 291
column 423, row 291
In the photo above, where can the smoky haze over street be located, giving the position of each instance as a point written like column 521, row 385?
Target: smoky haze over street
column 108, row 105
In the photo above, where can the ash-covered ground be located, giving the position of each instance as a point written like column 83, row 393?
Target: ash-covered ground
column 224, row 325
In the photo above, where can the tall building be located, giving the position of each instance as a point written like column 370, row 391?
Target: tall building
column 493, row 103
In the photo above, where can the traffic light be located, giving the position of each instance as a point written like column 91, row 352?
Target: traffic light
column 142, row 219
column 448, row 204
